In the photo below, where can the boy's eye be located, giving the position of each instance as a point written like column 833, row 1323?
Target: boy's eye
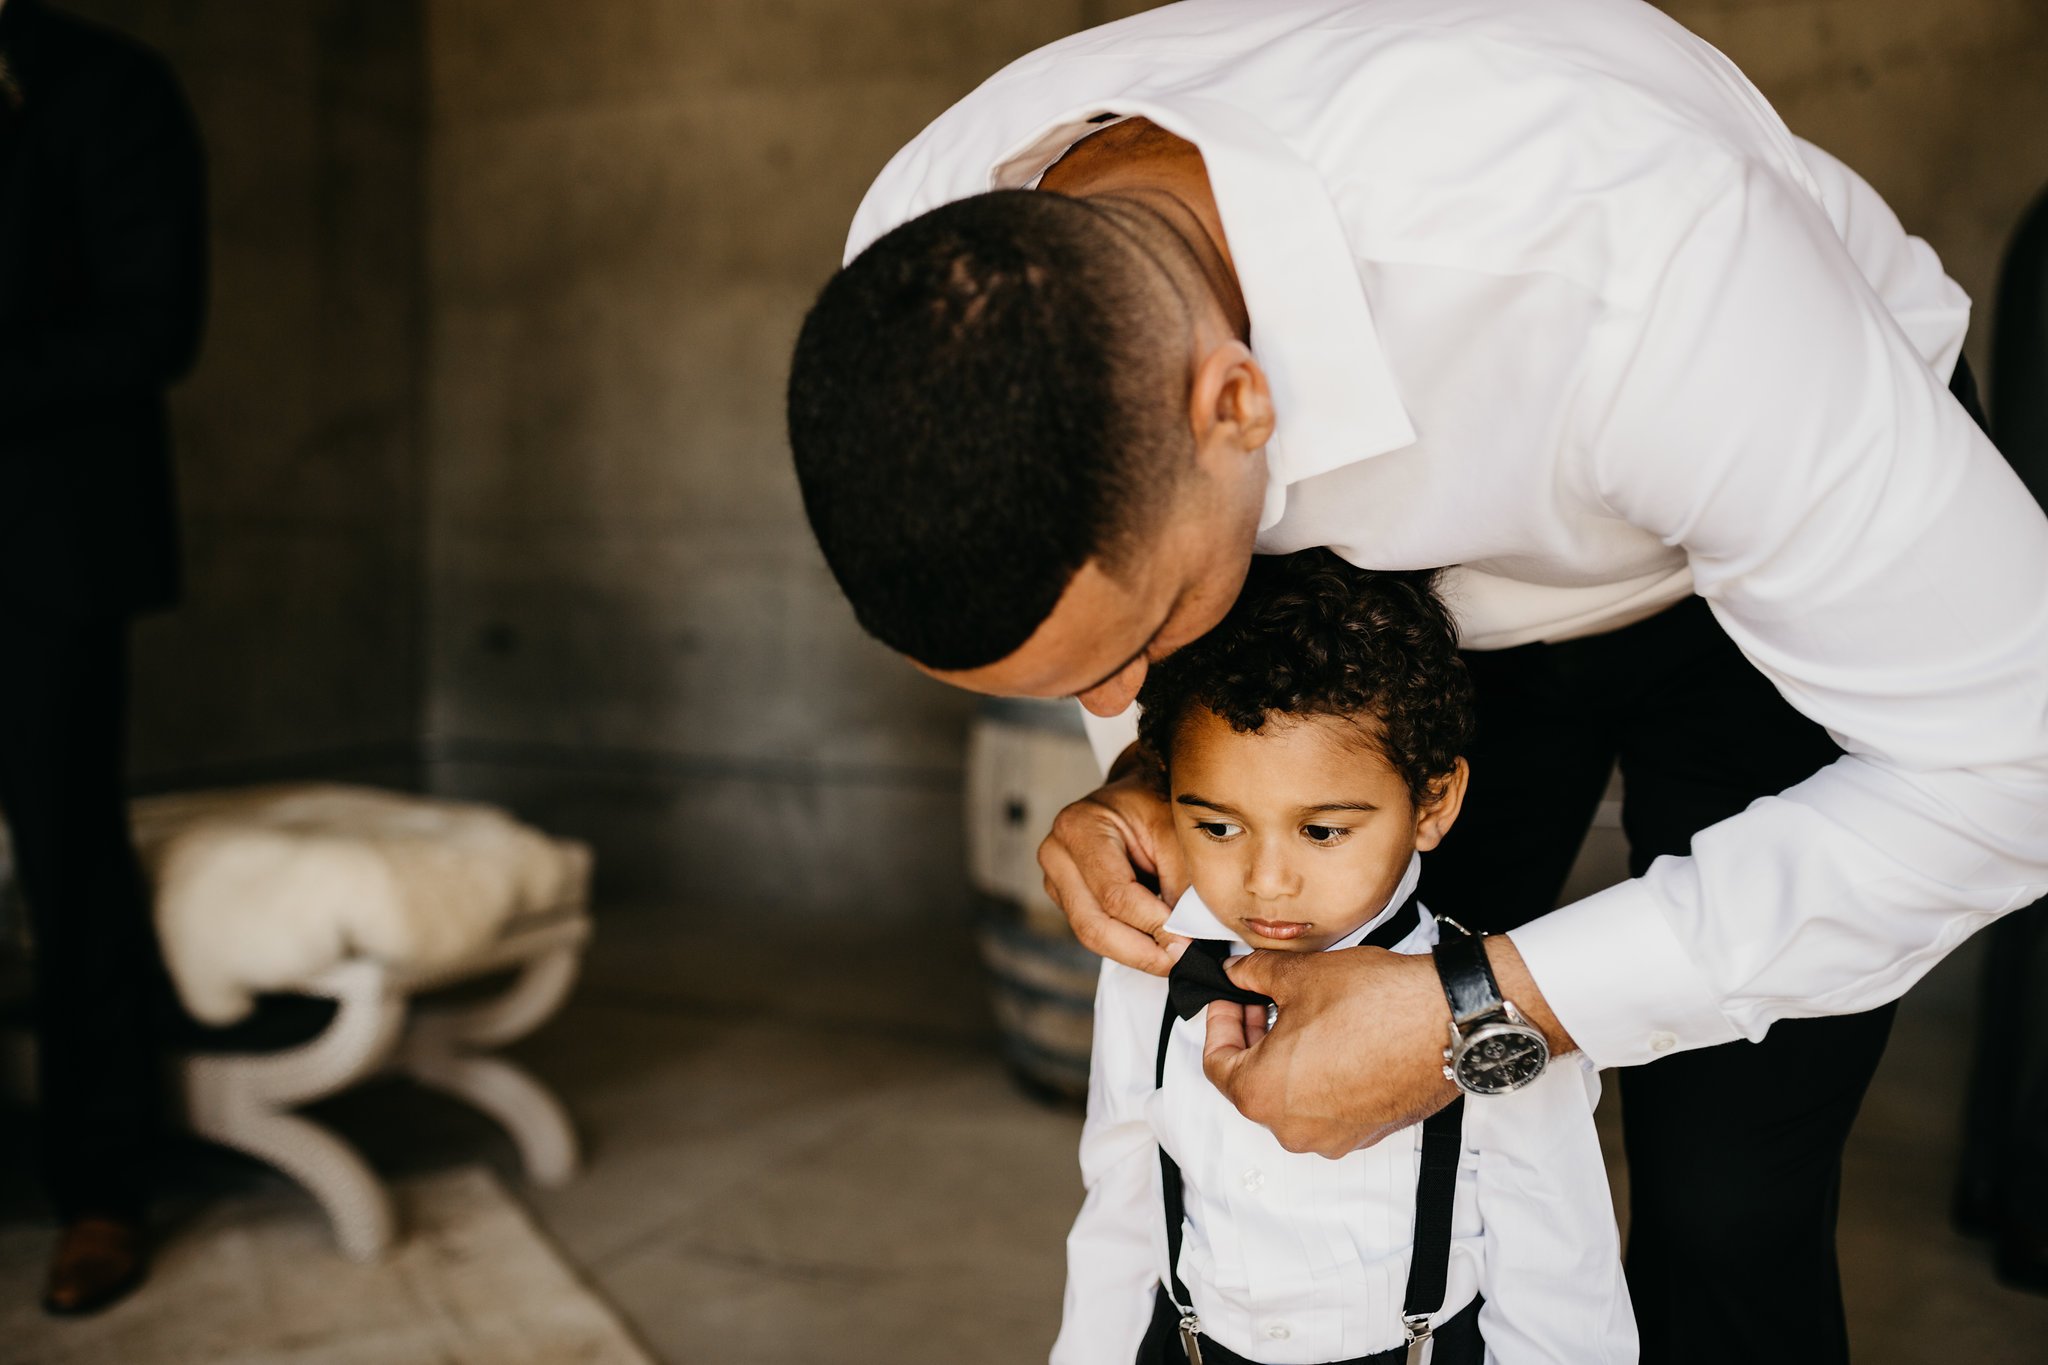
column 1323, row 834
column 1217, row 829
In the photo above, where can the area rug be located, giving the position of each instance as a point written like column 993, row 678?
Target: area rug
column 255, row 1281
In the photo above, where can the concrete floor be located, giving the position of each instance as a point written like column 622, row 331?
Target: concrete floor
column 801, row 1148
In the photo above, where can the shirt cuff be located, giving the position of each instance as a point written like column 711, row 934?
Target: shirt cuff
column 1619, row 980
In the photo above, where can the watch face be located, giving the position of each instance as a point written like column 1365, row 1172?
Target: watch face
column 1501, row 1057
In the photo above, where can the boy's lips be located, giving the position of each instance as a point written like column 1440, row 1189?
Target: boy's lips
column 1278, row 928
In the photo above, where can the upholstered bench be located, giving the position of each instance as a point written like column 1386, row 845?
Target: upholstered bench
column 373, row 900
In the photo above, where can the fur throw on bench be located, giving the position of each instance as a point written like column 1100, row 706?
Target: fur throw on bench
column 262, row 888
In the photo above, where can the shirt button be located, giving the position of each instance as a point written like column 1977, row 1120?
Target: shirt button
column 1253, row 1179
column 1279, row 1331
column 1661, row 1041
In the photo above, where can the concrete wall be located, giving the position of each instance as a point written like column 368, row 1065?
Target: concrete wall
column 631, row 205
column 296, row 649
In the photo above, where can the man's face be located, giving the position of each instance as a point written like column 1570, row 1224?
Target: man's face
column 1107, row 629
column 1179, row 581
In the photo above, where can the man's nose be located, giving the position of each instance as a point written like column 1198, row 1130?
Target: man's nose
column 1113, row 695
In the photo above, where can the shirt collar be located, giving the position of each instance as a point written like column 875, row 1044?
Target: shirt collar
column 1312, row 329
column 1192, row 917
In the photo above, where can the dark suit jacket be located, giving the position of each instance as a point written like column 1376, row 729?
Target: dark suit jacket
column 102, row 290
column 2019, row 352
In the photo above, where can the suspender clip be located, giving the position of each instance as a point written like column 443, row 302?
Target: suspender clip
column 1418, row 1328
column 1191, row 1336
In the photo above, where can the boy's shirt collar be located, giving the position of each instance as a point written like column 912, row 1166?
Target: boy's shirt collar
column 1192, row 917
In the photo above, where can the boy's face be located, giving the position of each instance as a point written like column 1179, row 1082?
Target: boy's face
column 1296, row 835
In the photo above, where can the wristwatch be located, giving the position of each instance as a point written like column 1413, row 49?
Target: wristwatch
column 1493, row 1048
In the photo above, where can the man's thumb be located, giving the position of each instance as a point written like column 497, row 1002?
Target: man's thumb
column 1264, row 970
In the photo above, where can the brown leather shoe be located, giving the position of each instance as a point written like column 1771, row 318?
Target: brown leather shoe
column 97, row 1261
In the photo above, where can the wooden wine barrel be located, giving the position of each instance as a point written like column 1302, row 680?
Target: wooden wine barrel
column 1026, row 760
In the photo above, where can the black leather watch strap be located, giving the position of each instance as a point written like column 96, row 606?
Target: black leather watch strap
column 1468, row 978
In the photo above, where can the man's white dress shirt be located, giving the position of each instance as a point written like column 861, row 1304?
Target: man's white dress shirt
column 1292, row 1259
column 1547, row 292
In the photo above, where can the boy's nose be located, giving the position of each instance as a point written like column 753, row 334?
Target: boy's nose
column 1269, row 875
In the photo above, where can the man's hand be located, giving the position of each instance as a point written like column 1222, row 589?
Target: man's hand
column 1092, row 859
column 1358, row 1049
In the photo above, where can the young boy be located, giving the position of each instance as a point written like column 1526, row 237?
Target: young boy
column 1309, row 747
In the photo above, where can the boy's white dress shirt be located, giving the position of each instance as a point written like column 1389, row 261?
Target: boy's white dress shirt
column 1293, row 1259
column 1546, row 291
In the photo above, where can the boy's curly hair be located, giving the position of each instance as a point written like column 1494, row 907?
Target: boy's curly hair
column 1312, row 634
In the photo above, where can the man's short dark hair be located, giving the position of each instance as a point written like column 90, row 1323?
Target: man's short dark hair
column 1312, row 634
column 979, row 404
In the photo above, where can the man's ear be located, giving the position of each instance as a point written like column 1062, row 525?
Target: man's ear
column 1230, row 406
column 1435, row 816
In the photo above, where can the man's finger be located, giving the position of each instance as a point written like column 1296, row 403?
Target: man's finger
column 1174, row 944
column 1254, row 1024
column 1234, row 1066
column 1103, row 841
column 1109, row 937
column 1225, row 1044
column 1130, row 902
column 1099, row 932
column 1119, row 942
column 1098, row 857
column 1267, row 971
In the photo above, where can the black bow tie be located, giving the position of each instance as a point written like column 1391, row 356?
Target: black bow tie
column 1198, row 978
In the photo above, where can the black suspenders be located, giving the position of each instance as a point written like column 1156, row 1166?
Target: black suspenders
column 1436, row 1191
column 1436, row 1186
column 1176, row 1206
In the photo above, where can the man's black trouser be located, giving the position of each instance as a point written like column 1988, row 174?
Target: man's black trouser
column 1734, row 1151
column 101, row 990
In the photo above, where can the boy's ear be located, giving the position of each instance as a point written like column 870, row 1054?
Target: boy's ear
column 1435, row 816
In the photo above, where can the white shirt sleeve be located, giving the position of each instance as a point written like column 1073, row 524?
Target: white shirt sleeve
column 1930, row 308
column 1867, row 549
column 1551, row 1276
column 1111, row 1266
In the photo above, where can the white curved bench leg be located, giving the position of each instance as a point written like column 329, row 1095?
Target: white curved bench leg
column 441, row 1050
column 347, row 1190
column 245, row 1102
column 538, row 1123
